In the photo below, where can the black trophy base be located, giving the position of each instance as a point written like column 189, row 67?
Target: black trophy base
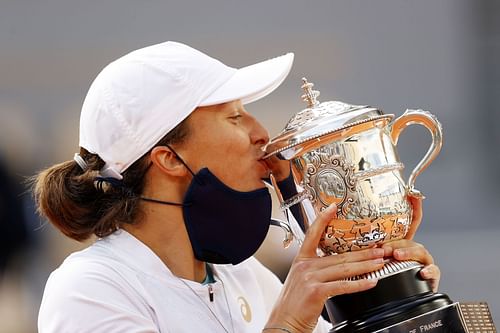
column 396, row 300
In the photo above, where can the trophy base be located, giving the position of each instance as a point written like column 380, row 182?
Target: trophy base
column 395, row 299
column 402, row 302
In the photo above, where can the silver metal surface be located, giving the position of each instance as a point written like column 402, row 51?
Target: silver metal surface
column 391, row 267
column 346, row 155
column 288, row 232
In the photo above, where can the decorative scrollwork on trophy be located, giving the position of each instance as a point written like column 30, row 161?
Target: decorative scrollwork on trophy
column 330, row 179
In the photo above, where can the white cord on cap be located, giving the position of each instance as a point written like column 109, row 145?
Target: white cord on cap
column 80, row 161
column 109, row 171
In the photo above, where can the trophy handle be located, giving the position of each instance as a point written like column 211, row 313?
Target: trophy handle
column 429, row 121
column 291, row 227
column 288, row 231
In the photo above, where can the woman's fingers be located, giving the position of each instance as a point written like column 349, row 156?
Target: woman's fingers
column 347, row 287
column 431, row 273
column 345, row 258
column 417, row 253
column 349, row 269
column 315, row 231
column 404, row 249
column 279, row 168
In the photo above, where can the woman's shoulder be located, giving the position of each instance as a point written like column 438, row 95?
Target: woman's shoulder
column 89, row 262
column 89, row 271
column 87, row 285
column 117, row 257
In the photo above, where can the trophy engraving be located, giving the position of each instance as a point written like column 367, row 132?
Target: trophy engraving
column 330, row 179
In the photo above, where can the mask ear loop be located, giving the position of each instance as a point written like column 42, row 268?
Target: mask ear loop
column 163, row 202
column 168, row 202
column 185, row 164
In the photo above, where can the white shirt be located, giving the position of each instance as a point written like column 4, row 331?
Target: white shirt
column 119, row 285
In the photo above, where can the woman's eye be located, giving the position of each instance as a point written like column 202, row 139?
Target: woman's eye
column 235, row 117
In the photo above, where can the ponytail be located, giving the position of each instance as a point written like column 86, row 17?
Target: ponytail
column 80, row 204
column 66, row 195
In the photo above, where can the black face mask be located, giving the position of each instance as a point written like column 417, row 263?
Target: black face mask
column 225, row 226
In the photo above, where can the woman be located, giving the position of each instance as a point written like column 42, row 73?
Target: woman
column 169, row 178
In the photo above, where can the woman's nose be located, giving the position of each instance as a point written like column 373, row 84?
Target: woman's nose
column 258, row 133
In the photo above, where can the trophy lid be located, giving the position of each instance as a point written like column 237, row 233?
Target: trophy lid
column 317, row 120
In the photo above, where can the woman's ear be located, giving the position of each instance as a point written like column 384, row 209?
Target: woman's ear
column 167, row 161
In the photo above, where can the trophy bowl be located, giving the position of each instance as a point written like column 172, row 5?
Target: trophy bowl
column 346, row 154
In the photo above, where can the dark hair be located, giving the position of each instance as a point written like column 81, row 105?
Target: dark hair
column 79, row 206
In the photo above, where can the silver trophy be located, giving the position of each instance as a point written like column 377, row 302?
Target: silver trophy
column 347, row 155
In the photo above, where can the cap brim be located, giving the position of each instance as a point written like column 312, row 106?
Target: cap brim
column 253, row 82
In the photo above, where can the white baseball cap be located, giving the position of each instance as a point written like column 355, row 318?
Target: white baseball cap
column 137, row 99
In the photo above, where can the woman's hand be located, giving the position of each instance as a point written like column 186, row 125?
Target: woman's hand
column 312, row 279
column 280, row 169
column 407, row 249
